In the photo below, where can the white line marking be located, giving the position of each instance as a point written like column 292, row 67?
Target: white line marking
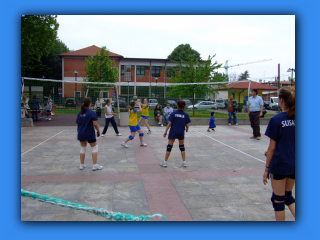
column 230, row 146
column 42, row 143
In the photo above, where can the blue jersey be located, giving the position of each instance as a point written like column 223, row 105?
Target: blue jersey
column 281, row 128
column 179, row 119
column 85, row 125
column 211, row 123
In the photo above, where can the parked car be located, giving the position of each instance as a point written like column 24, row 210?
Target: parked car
column 220, row 102
column 172, row 103
column 70, row 102
column 273, row 104
column 204, row 105
column 153, row 103
column 188, row 102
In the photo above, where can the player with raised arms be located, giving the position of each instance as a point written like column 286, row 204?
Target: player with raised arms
column 178, row 122
column 145, row 114
column 133, row 125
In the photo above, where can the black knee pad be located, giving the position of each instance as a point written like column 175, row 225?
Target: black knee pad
column 289, row 199
column 169, row 148
column 278, row 206
column 182, row 148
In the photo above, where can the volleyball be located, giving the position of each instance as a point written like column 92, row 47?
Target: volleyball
column 134, row 98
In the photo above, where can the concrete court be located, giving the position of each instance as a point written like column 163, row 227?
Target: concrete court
column 223, row 180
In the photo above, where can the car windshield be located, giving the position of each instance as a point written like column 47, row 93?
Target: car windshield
column 275, row 100
column 219, row 101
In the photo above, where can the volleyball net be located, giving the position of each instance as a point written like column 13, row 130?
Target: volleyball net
column 68, row 95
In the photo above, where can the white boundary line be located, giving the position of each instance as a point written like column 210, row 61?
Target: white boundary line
column 230, row 146
column 42, row 142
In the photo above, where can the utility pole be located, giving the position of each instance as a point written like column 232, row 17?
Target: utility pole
column 278, row 84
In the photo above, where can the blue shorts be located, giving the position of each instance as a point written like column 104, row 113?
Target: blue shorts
column 145, row 117
column 179, row 136
column 134, row 128
column 89, row 141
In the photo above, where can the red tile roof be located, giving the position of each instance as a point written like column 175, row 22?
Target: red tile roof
column 88, row 51
column 245, row 85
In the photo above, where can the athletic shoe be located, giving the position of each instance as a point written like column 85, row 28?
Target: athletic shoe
column 253, row 137
column 184, row 163
column 102, row 135
column 229, row 124
column 82, row 166
column 142, row 144
column 258, row 138
column 237, row 124
column 124, row 145
column 212, row 129
column 164, row 164
column 96, row 167
column 149, row 132
column 49, row 119
column 161, row 125
column 118, row 134
column 208, row 130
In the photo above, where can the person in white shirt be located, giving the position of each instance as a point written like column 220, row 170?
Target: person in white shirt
column 167, row 111
column 109, row 118
column 98, row 106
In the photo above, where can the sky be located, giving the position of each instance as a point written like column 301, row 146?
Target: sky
column 238, row 38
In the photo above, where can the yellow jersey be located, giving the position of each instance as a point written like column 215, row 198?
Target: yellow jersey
column 145, row 109
column 133, row 117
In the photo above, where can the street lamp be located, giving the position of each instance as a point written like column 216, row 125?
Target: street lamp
column 156, row 86
column 291, row 70
column 75, row 83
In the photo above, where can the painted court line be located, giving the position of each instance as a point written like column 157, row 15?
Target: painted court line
column 230, row 146
column 42, row 143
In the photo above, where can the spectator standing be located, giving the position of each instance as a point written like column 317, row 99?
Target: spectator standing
column 232, row 109
column 49, row 109
column 34, row 106
column 255, row 111
column 280, row 164
column 98, row 106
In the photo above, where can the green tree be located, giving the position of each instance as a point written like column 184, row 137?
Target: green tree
column 193, row 71
column 244, row 75
column 49, row 66
column 38, row 34
column 99, row 68
column 183, row 52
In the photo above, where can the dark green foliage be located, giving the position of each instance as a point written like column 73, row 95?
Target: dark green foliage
column 183, row 52
column 244, row 75
column 38, row 35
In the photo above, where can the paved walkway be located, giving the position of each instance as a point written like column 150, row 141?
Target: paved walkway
column 223, row 180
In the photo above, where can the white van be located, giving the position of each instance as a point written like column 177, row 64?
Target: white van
column 273, row 103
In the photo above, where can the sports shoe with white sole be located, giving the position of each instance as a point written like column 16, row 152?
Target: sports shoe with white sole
column 102, row 135
column 161, row 125
column 164, row 164
column 49, row 119
column 124, row 145
column 118, row 134
column 208, row 130
column 229, row 124
column 82, row 166
column 184, row 163
column 237, row 124
column 253, row 137
column 142, row 144
column 96, row 167
column 149, row 132
column 258, row 138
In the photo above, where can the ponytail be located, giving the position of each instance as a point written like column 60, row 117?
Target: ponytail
column 288, row 94
column 85, row 104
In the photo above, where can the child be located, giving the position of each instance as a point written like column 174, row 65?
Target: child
column 87, row 122
column 49, row 109
column 109, row 118
column 133, row 125
column 212, row 125
column 280, row 164
column 178, row 121
column 145, row 114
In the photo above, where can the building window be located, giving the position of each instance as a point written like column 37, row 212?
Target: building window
column 156, row 71
column 170, row 72
column 141, row 71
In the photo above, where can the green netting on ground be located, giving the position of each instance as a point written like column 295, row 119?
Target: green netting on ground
column 117, row 216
